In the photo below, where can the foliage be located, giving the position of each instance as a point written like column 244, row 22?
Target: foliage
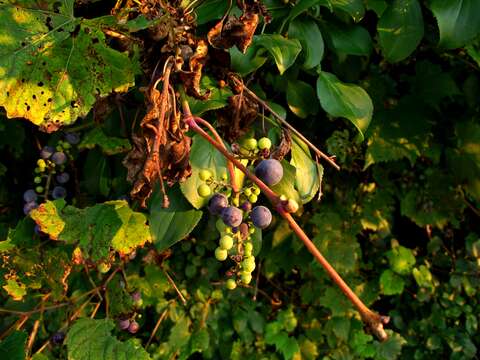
column 388, row 87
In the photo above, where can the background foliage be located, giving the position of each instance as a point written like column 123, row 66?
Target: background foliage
column 389, row 87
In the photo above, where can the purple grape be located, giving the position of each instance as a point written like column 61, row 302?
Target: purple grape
column 134, row 327
column 46, row 152
column 261, row 216
column 217, row 203
column 58, row 338
column 59, row 158
column 124, row 324
column 246, row 206
column 29, row 195
column 29, row 207
column 63, row 178
column 270, row 171
column 59, row 192
column 232, row 216
column 72, row 138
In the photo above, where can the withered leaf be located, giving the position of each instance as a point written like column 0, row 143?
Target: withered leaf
column 235, row 119
column 191, row 78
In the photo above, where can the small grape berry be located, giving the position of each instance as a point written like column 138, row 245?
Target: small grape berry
column 231, row 284
column 29, row 195
column 264, row 143
column 46, row 152
column 253, row 198
column 226, row 242
column 246, row 278
column 123, row 324
column 29, row 207
column 250, row 144
column 205, row 174
column 59, row 158
column 270, row 171
column 58, row 338
column 217, row 203
column 232, row 216
column 261, row 216
column 39, row 189
column 63, row 178
column 72, row 138
column 204, row 190
column 134, row 327
column 37, row 179
column 59, row 192
column 221, row 254
column 248, row 248
column 246, row 206
column 248, row 265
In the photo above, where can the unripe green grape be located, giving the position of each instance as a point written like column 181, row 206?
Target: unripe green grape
column 248, row 265
column 228, row 230
column 41, row 163
column 39, row 189
column 230, row 284
column 248, row 248
column 204, row 190
column 256, row 190
column 221, row 254
column 264, row 143
column 250, row 144
column 66, row 145
column 253, row 198
column 251, row 229
column 37, row 180
column 247, row 192
column 205, row 174
column 246, row 278
column 226, row 242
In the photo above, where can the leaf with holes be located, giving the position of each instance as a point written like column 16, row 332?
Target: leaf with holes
column 53, row 66
column 97, row 229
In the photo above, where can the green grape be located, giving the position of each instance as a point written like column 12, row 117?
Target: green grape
column 248, row 248
column 250, row 144
column 231, row 284
column 190, row 271
column 236, row 201
column 264, row 143
column 248, row 264
column 205, row 174
column 247, row 192
column 41, row 163
column 66, row 145
column 256, row 190
column 251, row 229
column 226, row 242
column 221, row 254
column 39, row 189
column 204, row 190
column 253, row 198
column 228, row 230
column 246, row 278
column 37, row 180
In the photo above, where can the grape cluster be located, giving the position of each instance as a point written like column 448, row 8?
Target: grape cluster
column 50, row 172
column 238, row 217
column 128, row 323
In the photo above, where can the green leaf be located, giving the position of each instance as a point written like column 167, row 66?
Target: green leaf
column 286, row 186
column 349, row 39
column 283, row 50
column 308, row 33
column 301, row 98
column 400, row 29
column 13, row 347
column 92, row 339
column 345, row 100
column 401, row 259
column 217, row 99
column 110, row 145
column 391, row 283
column 174, row 223
column 300, row 7
column 15, row 289
column 202, row 156
column 458, row 21
column 53, row 66
column 307, row 171
column 354, row 8
column 210, row 10
column 391, row 348
column 96, row 229
column 246, row 63
column 423, row 276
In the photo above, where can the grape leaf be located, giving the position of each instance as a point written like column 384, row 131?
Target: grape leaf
column 301, row 98
column 217, row 99
column 308, row 33
column 286, row 186
column 202, row 156
column 400, row 29
column 391, row 348
column 174, row 223
column 458, row 21
column 110, row 145
column 92, row 339
column 13, row 347
column 96, row 229
column 53, row 66
column 345, row 100
column 354, row 8
column 401, row 260
column 283, row 50
column 350, row 40
column 391, row 283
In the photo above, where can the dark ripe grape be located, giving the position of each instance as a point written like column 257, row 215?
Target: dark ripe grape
column 134, row 327
column 72, row 138
column 124, row 324
column 270, row 171
column 29, row 195
column 261, row 216
column 58, row 338
column 59, row 192
column 244, row 230
column 46, row 152
column 136, row 296
column 29, row 207
column 217, row 203
column 59, row 158
column 232, row 216
column 246, row 206
column 63, row 178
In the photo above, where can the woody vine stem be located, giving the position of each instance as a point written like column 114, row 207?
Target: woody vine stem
column 371, row 318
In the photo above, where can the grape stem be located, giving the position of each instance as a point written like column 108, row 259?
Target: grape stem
column 372, row 319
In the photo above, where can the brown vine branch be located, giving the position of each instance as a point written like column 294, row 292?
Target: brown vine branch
column 372, row 319
column 284, row 122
